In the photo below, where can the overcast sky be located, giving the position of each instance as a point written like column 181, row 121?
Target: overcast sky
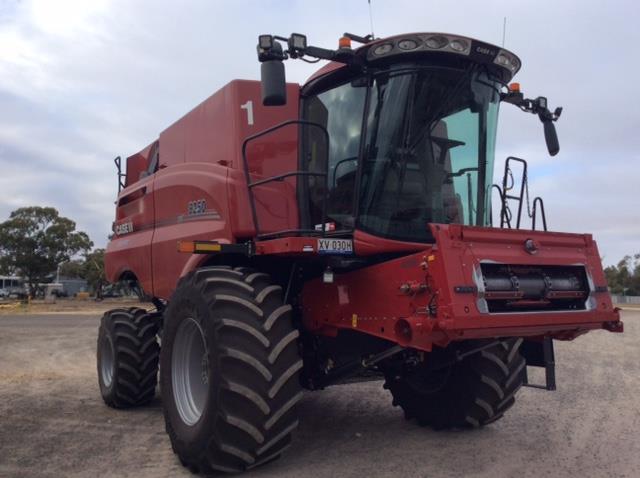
column 82, row 81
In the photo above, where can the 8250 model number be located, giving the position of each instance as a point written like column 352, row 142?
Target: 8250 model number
column 196, row 207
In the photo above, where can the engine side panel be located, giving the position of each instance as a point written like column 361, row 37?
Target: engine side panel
column 191, row 203
column 129, row 250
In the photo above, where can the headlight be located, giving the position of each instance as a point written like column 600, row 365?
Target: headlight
column 407, row 44
column 502, row 59
column 436, row 42
column 383, row 49
column 507, row 60
column 458, row 45
column 443, row 43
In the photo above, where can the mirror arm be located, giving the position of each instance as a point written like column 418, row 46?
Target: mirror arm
column 537, row 106
column 272, row 55
column 273, row 52
column 321, row 53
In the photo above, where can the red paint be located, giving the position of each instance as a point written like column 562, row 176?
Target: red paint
column 138, row 163
column 367, row 245
column 329, row 308
column 200, row 165
column 201, row 159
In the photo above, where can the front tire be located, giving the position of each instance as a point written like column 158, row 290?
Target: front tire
column 128, row 354
column 230, row 366
column 471, row 393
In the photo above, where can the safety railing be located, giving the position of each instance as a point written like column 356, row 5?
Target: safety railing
column 508, row 183
column 300, row 197
column 122, row 177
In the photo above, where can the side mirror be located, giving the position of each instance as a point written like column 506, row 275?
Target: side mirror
column 274, row 86
column 551, row 137
column 538, row 106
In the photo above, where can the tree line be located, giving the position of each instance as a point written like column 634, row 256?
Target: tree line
column 624, row 277
column 36, row 243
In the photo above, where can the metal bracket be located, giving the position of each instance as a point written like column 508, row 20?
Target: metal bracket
column 540, row 354
column 354, row 367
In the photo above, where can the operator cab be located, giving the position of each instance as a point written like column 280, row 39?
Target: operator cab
column 420, row 139
column 411, row 122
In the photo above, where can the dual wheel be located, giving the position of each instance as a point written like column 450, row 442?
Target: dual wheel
column 230, row 366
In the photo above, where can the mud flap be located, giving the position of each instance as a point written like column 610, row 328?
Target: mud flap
column 539, row 353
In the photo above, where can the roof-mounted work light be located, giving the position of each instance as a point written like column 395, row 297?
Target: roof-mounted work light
column 265, row 42
column 271, row 54
column 270, row 49
column 297, row 42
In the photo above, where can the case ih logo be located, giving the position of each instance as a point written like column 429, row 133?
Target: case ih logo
column 124, row 228
column 483, row 50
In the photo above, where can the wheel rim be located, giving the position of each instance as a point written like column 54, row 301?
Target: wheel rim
column 190, row 371
column 106, row 360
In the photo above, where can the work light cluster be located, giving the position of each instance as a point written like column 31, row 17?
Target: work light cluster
column 443, row 43
column 431, row 42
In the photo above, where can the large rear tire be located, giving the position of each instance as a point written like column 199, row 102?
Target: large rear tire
column 471, row 393
column 128, row 354
column 230, row 366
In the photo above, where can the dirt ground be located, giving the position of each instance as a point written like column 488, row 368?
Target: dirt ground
column 53, row 422
column 68, row 306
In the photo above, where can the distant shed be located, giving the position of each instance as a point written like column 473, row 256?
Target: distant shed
column 73, row 286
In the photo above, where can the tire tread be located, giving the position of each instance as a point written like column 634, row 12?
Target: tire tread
column 479, row 390
column 133, row 332
column 258, row 385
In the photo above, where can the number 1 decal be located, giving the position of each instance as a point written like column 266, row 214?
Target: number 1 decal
column 249, row 107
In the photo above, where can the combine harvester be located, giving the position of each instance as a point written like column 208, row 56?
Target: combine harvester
column 294, row 237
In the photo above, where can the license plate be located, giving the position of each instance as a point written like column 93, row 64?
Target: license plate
column 335, row 246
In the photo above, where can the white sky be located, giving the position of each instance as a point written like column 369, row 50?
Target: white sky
column 84, row 81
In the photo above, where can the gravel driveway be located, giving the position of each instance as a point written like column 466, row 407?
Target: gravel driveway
column 53, row 422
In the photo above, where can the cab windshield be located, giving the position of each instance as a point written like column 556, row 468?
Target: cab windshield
column 414, row 147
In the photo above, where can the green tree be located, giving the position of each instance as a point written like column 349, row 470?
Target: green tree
column 35, row 240
column 624, row 277
column 72, row 269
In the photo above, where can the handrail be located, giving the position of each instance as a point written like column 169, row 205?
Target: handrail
column 120, row 175
column 537, row 200
column 280, row 177
column 523, row 185
column 503, row 205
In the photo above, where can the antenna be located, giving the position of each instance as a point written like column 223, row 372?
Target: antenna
column 504, row 30
column 371, row 19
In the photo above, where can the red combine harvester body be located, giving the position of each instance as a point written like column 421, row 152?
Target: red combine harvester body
column 295, row 237
column 199, row 161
